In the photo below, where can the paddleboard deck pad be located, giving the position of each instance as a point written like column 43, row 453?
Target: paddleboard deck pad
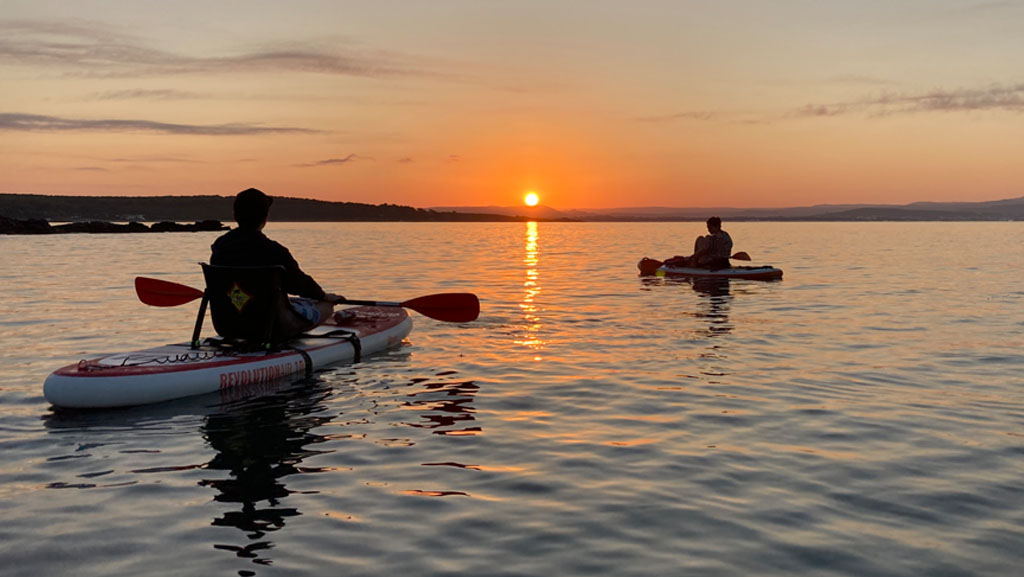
column 649, row 267
column 178, row 370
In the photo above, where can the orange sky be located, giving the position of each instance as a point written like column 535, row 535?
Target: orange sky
column 592, row 104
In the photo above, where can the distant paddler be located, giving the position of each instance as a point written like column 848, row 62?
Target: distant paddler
column 710, row 258
column 711, row 251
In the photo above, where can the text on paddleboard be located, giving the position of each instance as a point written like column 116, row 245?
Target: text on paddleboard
column 260, row 375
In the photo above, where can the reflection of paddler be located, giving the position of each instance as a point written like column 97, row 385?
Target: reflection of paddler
column 258, row 443
column 711, row 287
column 717, row 297
column 447, row 408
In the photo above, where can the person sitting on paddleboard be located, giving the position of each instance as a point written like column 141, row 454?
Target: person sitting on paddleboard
column 246, row 245
column 711, row 251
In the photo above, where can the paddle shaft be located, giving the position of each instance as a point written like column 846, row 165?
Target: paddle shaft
column 345, row 301
column 648, row 266
column 449, row 307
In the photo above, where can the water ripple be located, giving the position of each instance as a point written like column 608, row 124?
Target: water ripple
column 843, row 421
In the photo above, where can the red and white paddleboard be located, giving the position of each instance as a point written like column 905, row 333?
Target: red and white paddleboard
column 176, row 371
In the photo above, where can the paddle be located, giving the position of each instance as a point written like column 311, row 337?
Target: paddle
column 161, row 293
column 449, row 307
column 648, row 266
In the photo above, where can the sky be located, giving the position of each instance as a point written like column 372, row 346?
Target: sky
column 589, row 103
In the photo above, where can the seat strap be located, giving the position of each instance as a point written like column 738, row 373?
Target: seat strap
column 350, row 336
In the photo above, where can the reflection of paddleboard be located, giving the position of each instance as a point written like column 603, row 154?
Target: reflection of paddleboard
column 651, row 267
column 175, row 371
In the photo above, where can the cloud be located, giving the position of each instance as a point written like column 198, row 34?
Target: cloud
column 39, row 123
column 158, row 159
column 1009, row 98
column 331, row 161
column 822, row 110
column 693, row 115
column 986, row 8
column 858, row 79
column 996, row 97
column 140, row 94
column 89, row 49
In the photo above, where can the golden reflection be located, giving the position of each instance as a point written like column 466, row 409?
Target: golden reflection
column 631, row 443
column 531, row 288
column 422, row 493
column 342, row 516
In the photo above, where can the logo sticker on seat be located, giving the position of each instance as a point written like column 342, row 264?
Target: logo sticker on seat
column 239, row 297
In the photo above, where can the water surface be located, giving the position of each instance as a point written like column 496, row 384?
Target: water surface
column 863, row 416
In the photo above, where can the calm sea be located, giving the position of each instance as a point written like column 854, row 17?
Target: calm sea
column 863, row 416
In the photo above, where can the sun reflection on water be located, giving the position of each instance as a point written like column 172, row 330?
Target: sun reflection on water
column 530, row 336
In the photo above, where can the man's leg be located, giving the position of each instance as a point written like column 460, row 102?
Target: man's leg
column 325, row 309
column 701, row 245
column 290, row 324
column 303, row 314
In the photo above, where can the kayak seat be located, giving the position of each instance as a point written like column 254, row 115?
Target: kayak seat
column 244, row 302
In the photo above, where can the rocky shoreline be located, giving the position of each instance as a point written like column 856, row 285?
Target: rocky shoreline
column 39, row 226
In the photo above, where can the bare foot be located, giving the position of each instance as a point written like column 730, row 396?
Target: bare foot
column 343, row 316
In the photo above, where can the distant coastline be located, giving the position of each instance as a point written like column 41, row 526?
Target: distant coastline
column 34, row 213
column 40, row 226
column 137, row 209
column 1011, row 209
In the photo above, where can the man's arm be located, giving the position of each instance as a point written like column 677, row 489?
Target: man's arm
column 295, row 281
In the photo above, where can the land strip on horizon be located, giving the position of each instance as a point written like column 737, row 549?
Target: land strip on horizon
column 288, row 209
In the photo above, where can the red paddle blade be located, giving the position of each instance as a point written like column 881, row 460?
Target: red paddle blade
column 161, row 293
column 741, row 256
column 449, row 307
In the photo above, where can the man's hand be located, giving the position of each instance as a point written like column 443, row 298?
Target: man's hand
column 333, row 298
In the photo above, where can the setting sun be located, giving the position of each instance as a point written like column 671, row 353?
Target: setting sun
column 531, row 199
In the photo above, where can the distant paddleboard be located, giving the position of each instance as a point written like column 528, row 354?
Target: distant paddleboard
column 651, row 267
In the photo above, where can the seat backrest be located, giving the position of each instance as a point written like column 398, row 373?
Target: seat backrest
column 244, row 300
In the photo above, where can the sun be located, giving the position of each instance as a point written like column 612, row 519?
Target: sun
column 531, row 199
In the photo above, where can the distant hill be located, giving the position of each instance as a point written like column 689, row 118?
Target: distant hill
column 533, row 212
column 199, row 208
column 1008, row 209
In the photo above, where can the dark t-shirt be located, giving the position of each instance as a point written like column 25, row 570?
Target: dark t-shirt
column 721, row 246
column 247, row 247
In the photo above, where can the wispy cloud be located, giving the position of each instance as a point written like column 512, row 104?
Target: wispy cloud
column 39, row 123
column 858, row 79
column 155, row 159
column 821, row 110
column 1008, row 98
column 140, row 94
column 96, row 50
column 985, row 8
column 996, row 97
column 332, row 161
column 692, row 115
